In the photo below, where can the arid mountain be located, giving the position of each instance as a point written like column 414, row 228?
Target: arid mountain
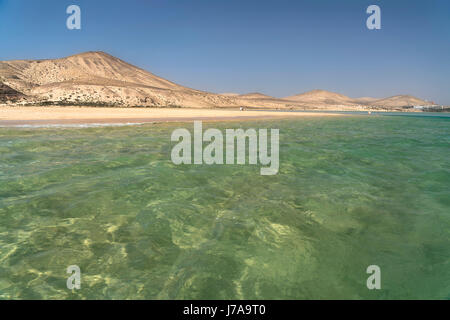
column 322, row 97
column 97, row 78
column 399, row 101
column 326, row 99
column 255, row 95
column 365, row 100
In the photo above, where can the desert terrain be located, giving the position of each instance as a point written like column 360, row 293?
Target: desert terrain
column 97, row 79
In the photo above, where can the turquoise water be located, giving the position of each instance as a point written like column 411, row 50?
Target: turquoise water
column 351, row 192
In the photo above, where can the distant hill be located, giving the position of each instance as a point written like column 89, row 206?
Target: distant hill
column 364, row 100
column 322, row 97
column 255, row 95
column 99, row 79
column 399, row 101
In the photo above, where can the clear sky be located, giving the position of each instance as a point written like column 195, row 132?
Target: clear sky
column 277, row 47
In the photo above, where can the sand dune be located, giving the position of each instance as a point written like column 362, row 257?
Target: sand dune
column 99, row 79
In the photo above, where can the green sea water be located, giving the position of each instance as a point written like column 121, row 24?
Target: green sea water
column 351, row 192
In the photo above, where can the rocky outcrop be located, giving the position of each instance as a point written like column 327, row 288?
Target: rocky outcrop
column 9, row 94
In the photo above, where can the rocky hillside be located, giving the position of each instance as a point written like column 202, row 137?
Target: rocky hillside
column 99, row 79
column 8, row 94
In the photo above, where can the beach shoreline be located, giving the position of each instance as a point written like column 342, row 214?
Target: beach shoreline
column 17, row 116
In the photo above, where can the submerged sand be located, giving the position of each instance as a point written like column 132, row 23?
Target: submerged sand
column 81, row 115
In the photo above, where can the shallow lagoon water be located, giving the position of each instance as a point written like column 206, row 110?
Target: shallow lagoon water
column 351, row 192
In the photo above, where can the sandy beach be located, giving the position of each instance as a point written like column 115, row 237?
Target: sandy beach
column 13, row 116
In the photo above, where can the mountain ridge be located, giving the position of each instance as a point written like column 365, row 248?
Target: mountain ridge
column 98, row 78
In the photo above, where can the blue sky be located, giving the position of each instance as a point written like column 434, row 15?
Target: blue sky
column 277, row 47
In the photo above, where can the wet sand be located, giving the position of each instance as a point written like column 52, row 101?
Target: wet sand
column 14, row 116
